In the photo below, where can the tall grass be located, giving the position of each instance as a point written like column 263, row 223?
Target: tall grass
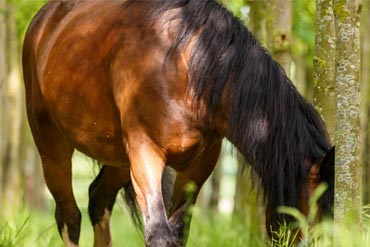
column 325, row 233
column 23, row 229
column 37, row 229
column 27, row 228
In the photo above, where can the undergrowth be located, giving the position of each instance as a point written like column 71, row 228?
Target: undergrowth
column 37, row 229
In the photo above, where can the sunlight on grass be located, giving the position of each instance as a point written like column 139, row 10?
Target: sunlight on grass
column 27, row 228
column 222, row 231
column 38, row 229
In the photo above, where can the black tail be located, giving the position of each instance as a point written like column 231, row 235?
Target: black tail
column 133, row 206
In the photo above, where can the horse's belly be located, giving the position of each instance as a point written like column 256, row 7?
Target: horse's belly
column 88, row 119
column 107, row 149
column 99, row 143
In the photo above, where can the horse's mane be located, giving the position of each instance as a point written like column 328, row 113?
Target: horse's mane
column 271, row 123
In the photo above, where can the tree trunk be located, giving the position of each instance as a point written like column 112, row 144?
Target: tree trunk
column 300, row 73
column 257, row 19
column 11, row 181
column 3, row 89
column 216, row 187
column 348, row 169
column 365, row 96
column 324, row 64
column 279, row 26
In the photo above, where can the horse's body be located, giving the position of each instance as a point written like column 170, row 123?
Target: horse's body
column 141, row 85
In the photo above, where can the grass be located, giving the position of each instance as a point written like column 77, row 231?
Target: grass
column 27, row 228
column 37, row 229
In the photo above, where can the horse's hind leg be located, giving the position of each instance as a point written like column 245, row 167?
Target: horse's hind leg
column 197, row 173
column 56, row 157
column 147, row 164
column 102, row 194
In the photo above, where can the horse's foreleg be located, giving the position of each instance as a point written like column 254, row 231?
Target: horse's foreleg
column 147, row 164
column 185, row 195
column 102, row 195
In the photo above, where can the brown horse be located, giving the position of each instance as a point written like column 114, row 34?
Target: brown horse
column 145, row 85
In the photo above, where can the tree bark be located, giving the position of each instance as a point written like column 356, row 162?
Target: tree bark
column 279, row 26
column 324, row 64
column 348, row 203
column 365, row 96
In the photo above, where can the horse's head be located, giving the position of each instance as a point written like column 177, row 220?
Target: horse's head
column 318, row 172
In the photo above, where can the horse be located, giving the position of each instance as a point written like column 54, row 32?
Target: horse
column 150, row 89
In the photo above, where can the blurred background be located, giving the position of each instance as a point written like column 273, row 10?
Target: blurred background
column 227, row 205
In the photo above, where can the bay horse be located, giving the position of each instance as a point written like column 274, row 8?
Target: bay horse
column 150, row 88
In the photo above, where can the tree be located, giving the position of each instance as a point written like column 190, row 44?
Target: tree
column 303, row 43
column 365, row 96
column 257, row 19
column 280, row 26
column 324, row 64
column 20, row 168
column 2, row 90
column 10, row 166
column 348, row 129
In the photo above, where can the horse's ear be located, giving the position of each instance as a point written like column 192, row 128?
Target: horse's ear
column 327, row 166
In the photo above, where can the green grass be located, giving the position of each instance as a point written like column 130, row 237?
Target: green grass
column 38, row 229
column 27, row 228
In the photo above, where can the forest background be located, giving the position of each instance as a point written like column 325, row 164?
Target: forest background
column 291, row 31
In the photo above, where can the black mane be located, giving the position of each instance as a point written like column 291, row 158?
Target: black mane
column 271, row 123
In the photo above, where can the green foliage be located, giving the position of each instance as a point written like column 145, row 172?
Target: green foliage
column 223, row 231
column 284, row 237
column 323, row 233
column 310, row 232
column 235, row 6
column 12, row 234
column 38, row 229
column 304, row 27
column 25, row 229
column 25, row 10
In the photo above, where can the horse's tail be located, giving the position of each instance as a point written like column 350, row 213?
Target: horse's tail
column 168, row 180
column 132, row 205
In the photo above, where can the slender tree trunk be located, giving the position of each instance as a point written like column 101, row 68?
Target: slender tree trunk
column 300, row 73
column 348, row 203
column 257, row 19
column 279, row 27
column 365, row 96
column 216, row 187
column 324, row 64
column 3, row 76
column 11, row 181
